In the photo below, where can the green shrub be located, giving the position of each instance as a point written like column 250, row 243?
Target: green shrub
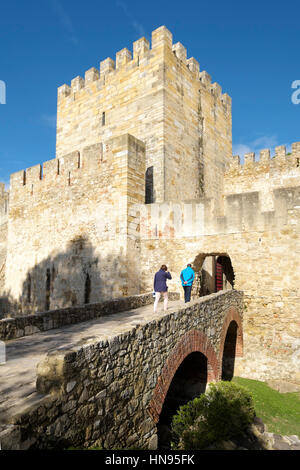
column 224, row 411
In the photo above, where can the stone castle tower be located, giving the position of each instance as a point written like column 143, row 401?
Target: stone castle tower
column 144, row 175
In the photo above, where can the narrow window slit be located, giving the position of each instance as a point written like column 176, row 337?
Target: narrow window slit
column 149, row 196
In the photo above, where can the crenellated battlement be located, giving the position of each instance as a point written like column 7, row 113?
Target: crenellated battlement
column 91, row 158
column 162, row 39
column 93, row 161
column 101, row 160
column 279, row 162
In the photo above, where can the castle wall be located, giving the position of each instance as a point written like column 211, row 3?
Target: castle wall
column 160, row 97
column 265, row 174
column 216, row 138
column 197, row 133
column 69, row 239
column 78, row 229
column 4, row 197
column 130, row 92
column 263, row 246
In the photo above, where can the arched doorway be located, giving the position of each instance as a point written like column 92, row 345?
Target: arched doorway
column 189, row 382
column 213, row 272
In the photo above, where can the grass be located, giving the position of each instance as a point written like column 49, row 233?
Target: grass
column 279, row 411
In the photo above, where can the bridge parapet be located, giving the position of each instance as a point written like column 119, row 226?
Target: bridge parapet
column 24, row 325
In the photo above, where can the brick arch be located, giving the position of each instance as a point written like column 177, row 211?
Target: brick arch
column 192, row 341
column 231, row 315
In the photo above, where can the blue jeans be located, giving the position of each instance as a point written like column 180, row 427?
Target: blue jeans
column 187, row 293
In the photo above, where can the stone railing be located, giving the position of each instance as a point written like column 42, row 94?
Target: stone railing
column 12, row 328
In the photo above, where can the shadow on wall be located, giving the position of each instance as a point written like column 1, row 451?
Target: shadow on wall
column 75, row 277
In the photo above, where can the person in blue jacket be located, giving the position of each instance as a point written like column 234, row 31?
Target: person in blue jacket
column 160, row 286
column 187, row 277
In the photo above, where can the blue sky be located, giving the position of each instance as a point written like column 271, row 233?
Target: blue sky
column 250, row 48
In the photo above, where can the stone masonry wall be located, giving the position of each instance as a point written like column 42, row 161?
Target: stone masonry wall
column 108, row 394
column 79, row 230
column 262, row 244
column 263, row 197
column 160, row 97
column 265, row 174
column 4, row 197
column 73, row 232
column 197, row 127
column 71, row 219
column 130, row 93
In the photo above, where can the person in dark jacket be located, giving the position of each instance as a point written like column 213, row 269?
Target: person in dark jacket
column 160, row 286
column 187, row 277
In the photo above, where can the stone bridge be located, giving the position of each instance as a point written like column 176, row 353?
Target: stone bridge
column 114, row 380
